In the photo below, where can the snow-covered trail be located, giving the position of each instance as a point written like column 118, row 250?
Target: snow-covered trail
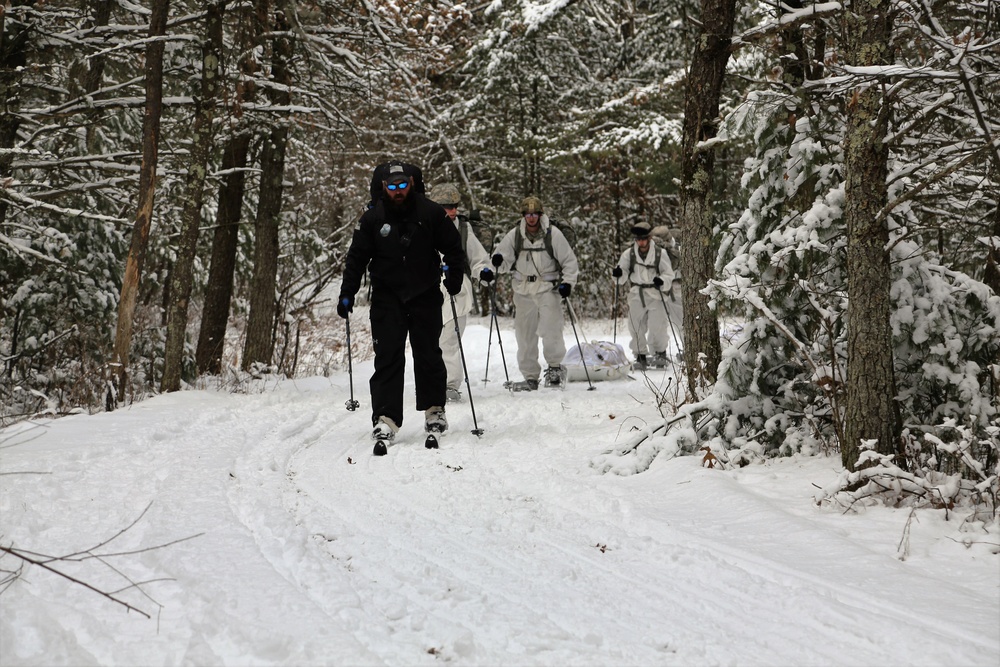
column 511, row 548
column 506, row 549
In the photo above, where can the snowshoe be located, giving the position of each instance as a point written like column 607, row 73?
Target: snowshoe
column 555, row 376
column 524, row 385
column 453, row 395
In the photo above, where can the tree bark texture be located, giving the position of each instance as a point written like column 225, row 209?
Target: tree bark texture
column 222, row 266
column 14, row 36
column 259, row 344
column 147, row 190
column 201, row 151
column 101, row 15
column 260, row 324
column 701, row 115
column 991, row 276
column 871, row 407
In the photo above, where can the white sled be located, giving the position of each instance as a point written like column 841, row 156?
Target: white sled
column 605, row 361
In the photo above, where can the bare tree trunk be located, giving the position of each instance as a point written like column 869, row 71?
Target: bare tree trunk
column 101, row 10
column 702, row 347
column 872, row 412
column 147, row 190
column 259, row 344
column 201, row 151
column 222, row 267
column 14, row 37
column 991, row 276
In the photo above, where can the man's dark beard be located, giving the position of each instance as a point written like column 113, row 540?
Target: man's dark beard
column 406, row 203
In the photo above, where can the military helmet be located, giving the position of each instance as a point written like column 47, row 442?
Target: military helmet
column 445, row 193
column 531, row 205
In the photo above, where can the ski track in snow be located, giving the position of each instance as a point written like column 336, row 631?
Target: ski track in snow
column 506, row 549
column 462, row 554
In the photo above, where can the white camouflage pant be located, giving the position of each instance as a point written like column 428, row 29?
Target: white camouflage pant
column 538, row 316
column 647, row 322
column 452, row 353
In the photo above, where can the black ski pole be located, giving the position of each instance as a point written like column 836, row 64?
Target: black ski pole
column 583, row 357
column 666, row 313
column 352, row 404
column 614, row 315
column 503, row 357
column 489, row 346
column 670, row 322
column 465, row 369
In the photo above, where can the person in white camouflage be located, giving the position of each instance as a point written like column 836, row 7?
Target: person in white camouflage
column 543, row 269
column 647, row 268
column 477, row 259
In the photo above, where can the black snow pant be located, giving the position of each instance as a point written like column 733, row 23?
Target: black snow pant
column 392, row 320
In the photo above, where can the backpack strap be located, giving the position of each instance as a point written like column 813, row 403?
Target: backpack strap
column 463, row 230
column 548, row 247
column 547, row 239
column 633, row 259
column 379, row 208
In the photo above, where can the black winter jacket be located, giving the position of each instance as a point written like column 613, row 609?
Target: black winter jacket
column 400, row 248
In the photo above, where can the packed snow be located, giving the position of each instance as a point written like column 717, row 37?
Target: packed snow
column 255, row 528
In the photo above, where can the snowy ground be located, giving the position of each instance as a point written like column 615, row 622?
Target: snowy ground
column 509, row 549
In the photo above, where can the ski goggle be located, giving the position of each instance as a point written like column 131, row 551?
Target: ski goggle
column 397, row 186
column 531, row 213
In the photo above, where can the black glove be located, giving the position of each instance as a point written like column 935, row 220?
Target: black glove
column 345, row 305
column 617, row 272
column 658, row 281
column 453, row 281
column 487, row 276
column 497, row 260
column 565, row 289
column 475, row 215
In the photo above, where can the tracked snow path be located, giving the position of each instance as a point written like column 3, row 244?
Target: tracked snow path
column 511, row 549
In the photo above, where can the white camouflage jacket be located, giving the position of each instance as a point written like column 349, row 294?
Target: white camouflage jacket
column 534, row 271
column 641, row 277
column 479, row 259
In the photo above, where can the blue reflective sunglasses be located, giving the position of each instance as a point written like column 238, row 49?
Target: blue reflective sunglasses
column 397, row 186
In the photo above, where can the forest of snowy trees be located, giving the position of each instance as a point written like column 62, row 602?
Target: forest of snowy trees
column 171, row 169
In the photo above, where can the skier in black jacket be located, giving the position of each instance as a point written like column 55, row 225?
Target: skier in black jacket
column 398, row 241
